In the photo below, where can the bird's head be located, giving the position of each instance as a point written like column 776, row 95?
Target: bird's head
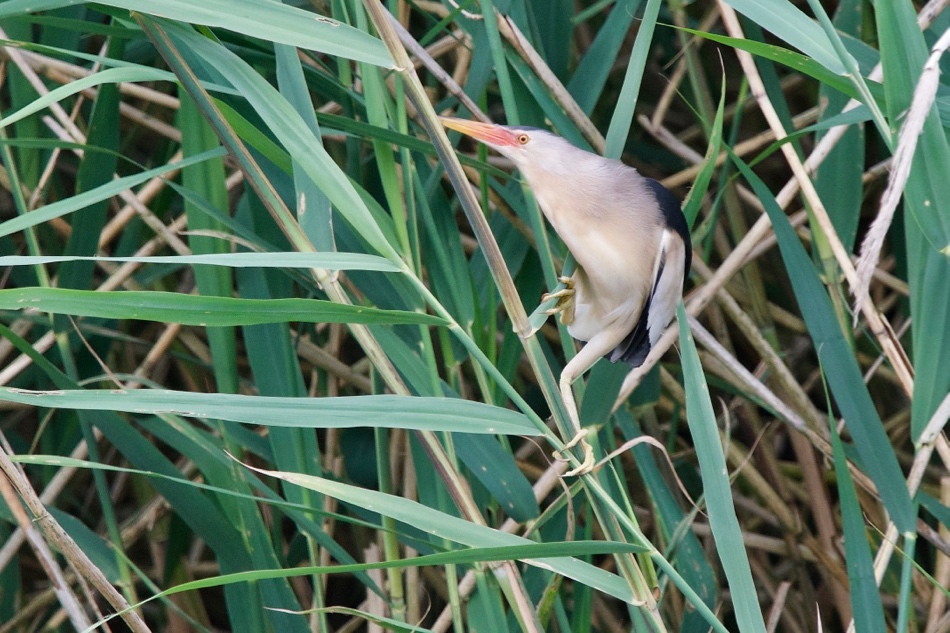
column 527, row 147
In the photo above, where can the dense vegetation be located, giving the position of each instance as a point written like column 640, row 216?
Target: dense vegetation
column 265, row 360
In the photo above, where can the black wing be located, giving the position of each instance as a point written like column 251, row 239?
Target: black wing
column 674, row 218
column 636, row 346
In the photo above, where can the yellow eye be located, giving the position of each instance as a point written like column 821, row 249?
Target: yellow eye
column 523, row 139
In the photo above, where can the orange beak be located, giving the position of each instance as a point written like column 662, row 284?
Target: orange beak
column 487, row 133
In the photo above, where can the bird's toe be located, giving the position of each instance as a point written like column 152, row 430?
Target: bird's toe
column 587, row 464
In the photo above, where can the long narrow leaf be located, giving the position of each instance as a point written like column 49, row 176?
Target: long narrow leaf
column 170, row 307
column 291, row 259
column 794, row 61
column 285, row 123
column 81, row 201
column 265, row 19
column 865, row 595
column 462, row 416
column 623, row 113
column 458, row 530
column 716, row 484
column 790, row 23
column 527, row 551
column 111, row 75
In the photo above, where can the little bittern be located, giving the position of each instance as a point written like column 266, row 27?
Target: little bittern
column 627, row 234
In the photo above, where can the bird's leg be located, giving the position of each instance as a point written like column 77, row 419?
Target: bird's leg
column 567, row 394
column 565, row 300
column 584, row 360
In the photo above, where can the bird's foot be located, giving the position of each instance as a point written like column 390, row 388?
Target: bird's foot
column 588, row 464
column 565, row 300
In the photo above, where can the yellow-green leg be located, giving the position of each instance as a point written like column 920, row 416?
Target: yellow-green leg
column 565, row 300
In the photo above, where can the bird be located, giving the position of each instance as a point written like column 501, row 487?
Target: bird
column 628, row 235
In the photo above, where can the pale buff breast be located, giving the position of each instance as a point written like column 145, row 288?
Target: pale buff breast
column 602, row 232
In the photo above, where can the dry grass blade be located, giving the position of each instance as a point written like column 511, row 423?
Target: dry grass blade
column 513, row 34
column 57, row 536
column 29, row 532
column 937, row 423
column 920, row 109
column 746, row 379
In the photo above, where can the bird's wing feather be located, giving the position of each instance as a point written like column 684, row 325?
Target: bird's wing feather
column 669, row 285
column 674, row 218
column 668, row 274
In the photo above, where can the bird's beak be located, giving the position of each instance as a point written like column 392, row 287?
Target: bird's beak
column 487, row 133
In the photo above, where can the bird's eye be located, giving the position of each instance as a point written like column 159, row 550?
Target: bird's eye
column 523, row 139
